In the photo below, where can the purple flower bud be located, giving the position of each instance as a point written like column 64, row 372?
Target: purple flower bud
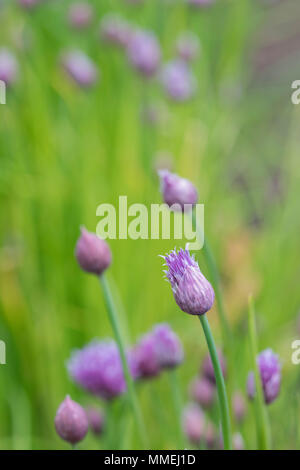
column 178, row 80
column 176, row 191
column 115, row 30
column 92, row 253
column 98, row 369
column 80, row 67
column 71, row 422
column 193, row 423
column 96, row 420
column 80, row 15
column 8, row 66
column 144, row 52
column 270, row 374
column 188, row 46
column 238, row 441
column 168, row 346
column 208, row 369
column 146, row 357
column 239, row 406
column 192, row 291
column 203, row 392
column 28, row 3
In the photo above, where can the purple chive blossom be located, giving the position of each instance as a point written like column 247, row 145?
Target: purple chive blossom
column 115, row 30
column 176, row 191
column 168, row 346
column 203, row 392
column 71, row 421
column 192, row 291
column 80, row 15
column 208, row 369
column 96, row 420
column 178, row 80
column 98, row 369
column 188, row 46
column 270, row 374
column 92, row 253
column 144, row 52
column 193, row 423
column 146, row 357
column 8, row 66
column 80, row 67
column 239, row 406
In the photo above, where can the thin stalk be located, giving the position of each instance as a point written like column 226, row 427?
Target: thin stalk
column 177, row 402
column 262, row 425
column 221, row 389
column 112, row 313
column 215, row 279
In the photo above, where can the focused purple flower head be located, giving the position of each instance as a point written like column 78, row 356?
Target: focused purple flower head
column 28, row 3
column 8, row 66
column 98, row 369
column 178, row 80
column 92, row 253
column 146, row 357
column 179, row 193
column 96, row 420
column 188, row 46
column 270, row 374
column 192, row 291
column 203, row 392
column 193, row 423
column 115, row 30
column 71, row 421
column 144, row 52
column 208, row 369
column 168, row 346
column 80, row 67
column 80, row 15
column 239, row 406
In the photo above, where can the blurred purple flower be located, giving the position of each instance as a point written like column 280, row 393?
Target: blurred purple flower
column 238, row 441
column 98, row 368
column 168, row 346
column 193, row 423
column 239, row 406
column 208, row 369
column 144, row 52
column 179, row 193
column 80, row 67
column 71, row 422
column 115, row 30
column 28, row 3
column 188, row 46
column 192, row 291
column 146, row 357
column 80, row 15
column 96, row 420
column 203, row 392
column 8, row 66
column 178, row 80
column 92, row 253
column 200, row 3
column 270, row 374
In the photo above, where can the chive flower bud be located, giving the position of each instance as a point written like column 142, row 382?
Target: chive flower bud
column 178, row 193
column 192, row 291
column 178, row 80
column 146, row 357
column 71, row 422
column 96, row 420
column 168, row 346
column 270, row 374
column 202, row 391
column 92, row 253
column 144, row 52
column 80, row 67
column 193, row 423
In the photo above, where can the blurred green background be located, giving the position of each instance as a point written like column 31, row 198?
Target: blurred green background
column 65, row 150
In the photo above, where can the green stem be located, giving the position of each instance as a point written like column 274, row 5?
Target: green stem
column 111, row 310
column 262, row 426
column 215, row 279
column 221, row 389
column 177, row 401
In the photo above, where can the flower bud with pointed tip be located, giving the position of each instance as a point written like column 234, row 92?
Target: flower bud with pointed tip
column 146, row 356
column 96, row 420
column 208, row 369
column 92, row 253
column 168, row 346
column 270, row 375
column 192, row 291
column 71, row 422
column 177, row 191
column 80, row 67
column 203, row 392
